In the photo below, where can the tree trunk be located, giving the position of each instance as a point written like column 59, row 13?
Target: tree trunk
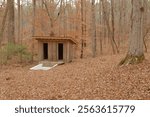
column 82, row 21
column 33, row 27
column 135, row 52
column 3, row 24
column 93, row 27
column 11, row 21
column 33, row 19
column 18, row 1
column 100, row 23
column 110, row 32
column 113, row 27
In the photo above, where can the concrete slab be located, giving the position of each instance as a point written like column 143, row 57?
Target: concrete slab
column 41, row 67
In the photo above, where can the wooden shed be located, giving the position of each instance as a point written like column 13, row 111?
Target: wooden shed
column 55, row 48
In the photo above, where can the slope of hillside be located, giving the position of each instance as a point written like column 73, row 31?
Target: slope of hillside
column 93, row 78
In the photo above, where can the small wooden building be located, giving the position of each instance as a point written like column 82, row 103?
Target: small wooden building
column 55, row 48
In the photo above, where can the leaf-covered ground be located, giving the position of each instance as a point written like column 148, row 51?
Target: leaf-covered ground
column 98, row 78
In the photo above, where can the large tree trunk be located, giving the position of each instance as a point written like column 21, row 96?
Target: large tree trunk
column 135, row 52
column 11, row 21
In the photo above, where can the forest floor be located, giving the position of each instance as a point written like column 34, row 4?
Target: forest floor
column 92, row 78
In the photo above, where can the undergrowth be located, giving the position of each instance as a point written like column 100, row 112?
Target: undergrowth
column 16, row 52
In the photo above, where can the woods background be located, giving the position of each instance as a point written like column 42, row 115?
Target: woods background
column 99, row 26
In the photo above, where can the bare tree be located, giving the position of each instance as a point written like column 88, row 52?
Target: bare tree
column 100, row 23
column 51, row 12
column 113, row 27
column 135, row 52
column 93, row 31
column 18, row 1
column 11, row 21
column 34, row 16
column 3, row 24
column 83, row 27
column 110, row 30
